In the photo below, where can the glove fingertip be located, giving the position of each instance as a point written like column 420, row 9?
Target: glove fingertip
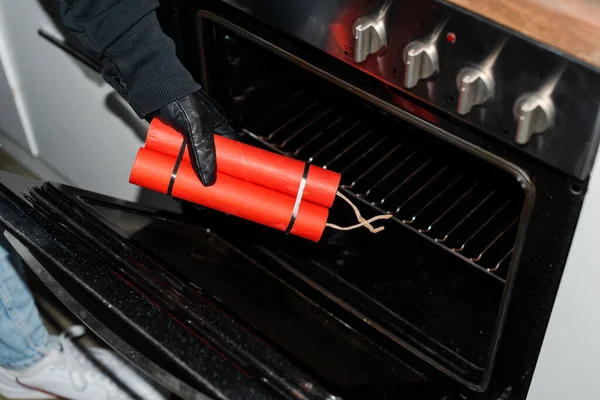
column 208, row 178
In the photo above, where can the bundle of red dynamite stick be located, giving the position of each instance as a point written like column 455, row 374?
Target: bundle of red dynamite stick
column 252, row 183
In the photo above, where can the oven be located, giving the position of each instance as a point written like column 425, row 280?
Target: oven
column 478, row 141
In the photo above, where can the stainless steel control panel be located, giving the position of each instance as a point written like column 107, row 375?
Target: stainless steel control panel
column 527, row 95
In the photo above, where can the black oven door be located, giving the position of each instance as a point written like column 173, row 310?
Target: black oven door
column 185, row 298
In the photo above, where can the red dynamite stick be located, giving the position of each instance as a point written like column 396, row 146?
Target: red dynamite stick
column 230, row 195
column 264, row 168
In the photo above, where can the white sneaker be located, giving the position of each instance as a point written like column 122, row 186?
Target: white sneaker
column 66, row 372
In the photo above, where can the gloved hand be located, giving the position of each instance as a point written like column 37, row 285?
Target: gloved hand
column 197, row 118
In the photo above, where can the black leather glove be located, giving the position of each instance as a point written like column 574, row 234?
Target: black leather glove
column 197, row 118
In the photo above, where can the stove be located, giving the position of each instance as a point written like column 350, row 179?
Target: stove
column 480, row 143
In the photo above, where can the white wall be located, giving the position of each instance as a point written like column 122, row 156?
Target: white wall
column 13, row 115
column 64, row 102
column 569, row 367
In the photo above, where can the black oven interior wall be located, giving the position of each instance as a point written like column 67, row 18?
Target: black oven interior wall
column 414, row 285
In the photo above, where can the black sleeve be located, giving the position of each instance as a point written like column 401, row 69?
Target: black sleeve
column 139, row 58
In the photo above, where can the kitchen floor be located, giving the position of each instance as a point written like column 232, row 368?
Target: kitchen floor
column 54, row 314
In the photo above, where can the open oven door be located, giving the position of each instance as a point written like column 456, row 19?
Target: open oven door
column 184, row 297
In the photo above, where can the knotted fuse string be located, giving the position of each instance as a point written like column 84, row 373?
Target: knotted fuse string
column 359, row 217
column 363, row 222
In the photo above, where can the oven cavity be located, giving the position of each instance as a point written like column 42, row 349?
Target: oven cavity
column 433, row 282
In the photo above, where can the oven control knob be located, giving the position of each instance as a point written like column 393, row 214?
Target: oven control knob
column 535, row 114
column 420, row 61
column 369, row 36
column 475, row 87
column 369, row 32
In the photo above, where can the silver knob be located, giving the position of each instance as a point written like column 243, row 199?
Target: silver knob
column 369, row 36
column 535, row 114
column 369, row 31
column 475, row 87
column 421, row 62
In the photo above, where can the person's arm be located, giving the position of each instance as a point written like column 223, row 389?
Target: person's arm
column 140, row 62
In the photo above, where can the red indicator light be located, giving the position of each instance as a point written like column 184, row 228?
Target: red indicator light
column 451, row 37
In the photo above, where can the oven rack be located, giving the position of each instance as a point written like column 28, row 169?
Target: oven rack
column 444, row 198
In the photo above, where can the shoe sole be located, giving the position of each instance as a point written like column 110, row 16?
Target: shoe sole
column 24, row 392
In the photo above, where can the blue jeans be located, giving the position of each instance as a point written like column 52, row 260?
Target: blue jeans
column 23, row 336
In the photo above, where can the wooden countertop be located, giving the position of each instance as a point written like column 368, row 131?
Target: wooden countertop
column 571, row 26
